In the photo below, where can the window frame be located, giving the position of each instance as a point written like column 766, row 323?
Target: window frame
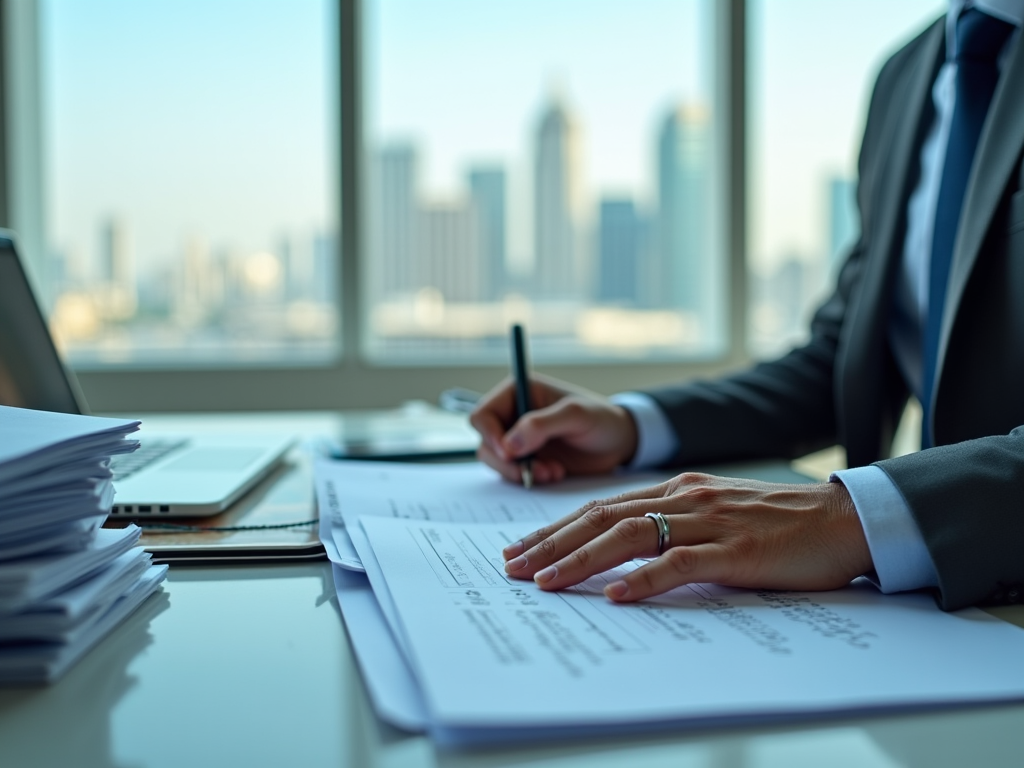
column 350, row 380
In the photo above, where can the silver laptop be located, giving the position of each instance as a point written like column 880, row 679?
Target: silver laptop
column 168, row 475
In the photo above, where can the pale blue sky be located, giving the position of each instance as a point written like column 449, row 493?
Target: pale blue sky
column 469, row 85
column 191, row 116
column 812, row 65
column 211, row 116
column 471, row 82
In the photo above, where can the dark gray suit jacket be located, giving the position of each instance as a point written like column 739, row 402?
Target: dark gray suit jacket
column 968, row 494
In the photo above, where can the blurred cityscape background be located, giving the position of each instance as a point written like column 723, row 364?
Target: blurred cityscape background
column 209, row 299
column 619, row 277
column 191, row 199
column 603, row 275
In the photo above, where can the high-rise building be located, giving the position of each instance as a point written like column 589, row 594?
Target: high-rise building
column 117, row 263
column 201, row 290
column 683, row 273
column 788, row 288
column 393, row 238
column 286, row 253
column 843, row 217
column 487, row 193
column 620, row 252
column 296, row 255
column 59, row 270
column 325, row 275
column 448, row 252
column 117, row 269
column 559, row 267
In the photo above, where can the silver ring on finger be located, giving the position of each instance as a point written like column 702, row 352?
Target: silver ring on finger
column 663, row 530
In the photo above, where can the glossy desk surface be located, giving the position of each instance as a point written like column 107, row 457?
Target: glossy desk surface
column 250, row 665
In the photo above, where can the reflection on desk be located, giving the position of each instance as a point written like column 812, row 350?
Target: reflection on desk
column 252, row 667
column 69, row 723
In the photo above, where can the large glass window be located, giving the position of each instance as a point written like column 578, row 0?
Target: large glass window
column 189, row 180
column 811, row 68
column 543, row 162
column 556, row 164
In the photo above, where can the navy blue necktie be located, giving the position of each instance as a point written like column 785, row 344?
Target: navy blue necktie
column 979, row 39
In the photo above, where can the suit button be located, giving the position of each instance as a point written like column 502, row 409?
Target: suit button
column 1013, row 594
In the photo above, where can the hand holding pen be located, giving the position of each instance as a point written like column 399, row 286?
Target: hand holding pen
column 521, row 376
column 568, row 431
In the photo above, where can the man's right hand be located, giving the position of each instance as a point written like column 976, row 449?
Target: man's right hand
column 570, row 432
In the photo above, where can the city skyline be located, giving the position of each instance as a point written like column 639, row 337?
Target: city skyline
column 667, row 242
column 230, row 140
column 287, row 47
column 431, row 251
column 210, row 297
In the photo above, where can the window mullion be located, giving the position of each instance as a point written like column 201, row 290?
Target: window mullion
column 349, row 167
column 730, row 90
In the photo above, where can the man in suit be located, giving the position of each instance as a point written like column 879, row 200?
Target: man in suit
column 930, row 303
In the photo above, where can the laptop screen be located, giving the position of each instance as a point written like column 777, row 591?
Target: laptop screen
column 31, row 372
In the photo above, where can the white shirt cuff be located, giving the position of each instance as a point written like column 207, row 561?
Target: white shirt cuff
column 901, row 559
column 656, row 440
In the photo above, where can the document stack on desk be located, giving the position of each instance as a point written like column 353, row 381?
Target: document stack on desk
column 64, row 582
column 449, row 644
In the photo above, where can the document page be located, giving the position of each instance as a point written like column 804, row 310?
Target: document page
column 461, row 493
column 389, row 681
column 490, row 651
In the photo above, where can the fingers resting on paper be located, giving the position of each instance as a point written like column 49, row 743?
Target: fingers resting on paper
column 736, row 532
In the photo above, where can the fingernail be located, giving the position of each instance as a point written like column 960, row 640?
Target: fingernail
column 498, row 449
column 543, row 577
column 515, row 565
column 616, row 590
column 516, row 548
column 515, row 444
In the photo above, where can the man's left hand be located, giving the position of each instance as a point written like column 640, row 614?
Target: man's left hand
column 740, row 533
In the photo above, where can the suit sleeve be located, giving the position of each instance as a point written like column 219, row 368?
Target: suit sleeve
column 968, row 501
column 784, row 408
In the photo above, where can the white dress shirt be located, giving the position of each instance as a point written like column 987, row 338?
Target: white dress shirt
column 898, row 550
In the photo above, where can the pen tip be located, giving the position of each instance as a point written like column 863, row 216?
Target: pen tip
column 527, row 472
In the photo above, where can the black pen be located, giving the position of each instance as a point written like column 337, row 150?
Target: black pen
column 523, row 405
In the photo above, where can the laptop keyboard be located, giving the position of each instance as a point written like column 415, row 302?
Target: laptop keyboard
column 128, row 464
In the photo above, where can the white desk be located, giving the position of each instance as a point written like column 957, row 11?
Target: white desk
column 251, row 666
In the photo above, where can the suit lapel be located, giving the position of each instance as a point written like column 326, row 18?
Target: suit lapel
column 998, row 150
column 867, row 326
column 902, row 161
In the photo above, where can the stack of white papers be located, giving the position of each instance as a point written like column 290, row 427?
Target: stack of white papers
column 64, row 582
column 450, row 645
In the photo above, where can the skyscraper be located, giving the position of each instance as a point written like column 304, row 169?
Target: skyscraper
column 559, row 267
column 620, row 243
column 448, row 251
column 843, row 217
column 201, row 290
column 325, row 275
column 116, row 259
column 487, row 192
column 117, row 269
column 394, row 218
column 683, row 274
column 297, row 259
